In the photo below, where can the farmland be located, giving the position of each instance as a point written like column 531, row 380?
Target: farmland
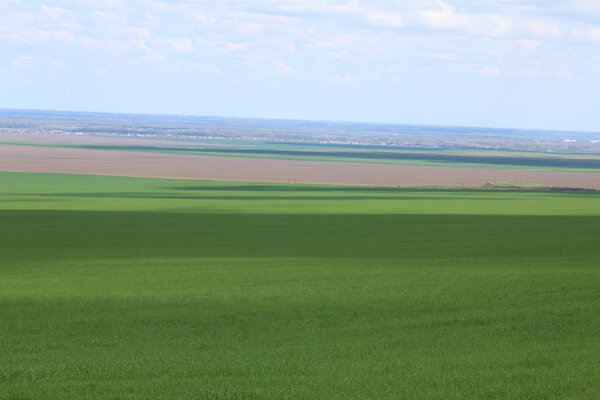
column 41, row 158
column 371, row 155
column 306, row 152
column 114, row 287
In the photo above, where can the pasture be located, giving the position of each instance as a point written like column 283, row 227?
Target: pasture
column 134, row 288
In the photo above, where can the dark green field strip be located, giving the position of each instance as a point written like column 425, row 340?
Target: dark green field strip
column 60, row 234
column 235, row 197
column 13, row 143
column 355, row 146
column 375, row 155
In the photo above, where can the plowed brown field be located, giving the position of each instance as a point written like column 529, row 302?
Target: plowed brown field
column 173, row 166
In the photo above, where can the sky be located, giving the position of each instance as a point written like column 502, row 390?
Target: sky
column 499, row 63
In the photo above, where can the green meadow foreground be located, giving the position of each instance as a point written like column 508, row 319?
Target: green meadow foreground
column 125, row 288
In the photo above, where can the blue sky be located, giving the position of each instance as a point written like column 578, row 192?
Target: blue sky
column 504, row 63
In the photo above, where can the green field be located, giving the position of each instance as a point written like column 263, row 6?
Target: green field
column 126, row 288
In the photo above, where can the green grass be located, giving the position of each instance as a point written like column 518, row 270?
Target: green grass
column 124, row 288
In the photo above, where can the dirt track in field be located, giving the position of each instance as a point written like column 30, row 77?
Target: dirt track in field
column 155, row 165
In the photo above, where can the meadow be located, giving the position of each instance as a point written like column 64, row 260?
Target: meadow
column 131, row 288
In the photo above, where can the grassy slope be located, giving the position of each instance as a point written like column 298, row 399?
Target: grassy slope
column 140, row 288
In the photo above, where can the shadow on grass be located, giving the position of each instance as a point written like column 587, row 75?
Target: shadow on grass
column 386, row 190
column 252, row 197
column 46, row 235
column 374, row 155
column 320, row 188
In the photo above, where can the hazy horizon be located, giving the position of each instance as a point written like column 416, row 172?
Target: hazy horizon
column 359, row 122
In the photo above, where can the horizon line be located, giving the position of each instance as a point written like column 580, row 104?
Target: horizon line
column 298, row 120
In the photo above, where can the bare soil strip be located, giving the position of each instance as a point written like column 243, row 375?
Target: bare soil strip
column 173, row 166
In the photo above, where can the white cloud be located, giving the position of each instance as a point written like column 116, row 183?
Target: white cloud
column 591, row 34
column 238, row 46
column 319, row 8
column 445, row 57
column 490, row 71
column 283, row 69
column 115, row 4
column 134, row 46
column 527, row 44
column 249, row 28
column 182, row 44
column 288, row 47
column 330, row 39
column 488, row 24
column 27, row 62
column 55, row 12
column 35, row 36
column 391, row 20
column 563, row 75
column 446, row 17
column 342, row 78
column 588, row 5
column 203, row 17
column 142, row 33
column 21, row 61
column 543, row 28
column 155, row 58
